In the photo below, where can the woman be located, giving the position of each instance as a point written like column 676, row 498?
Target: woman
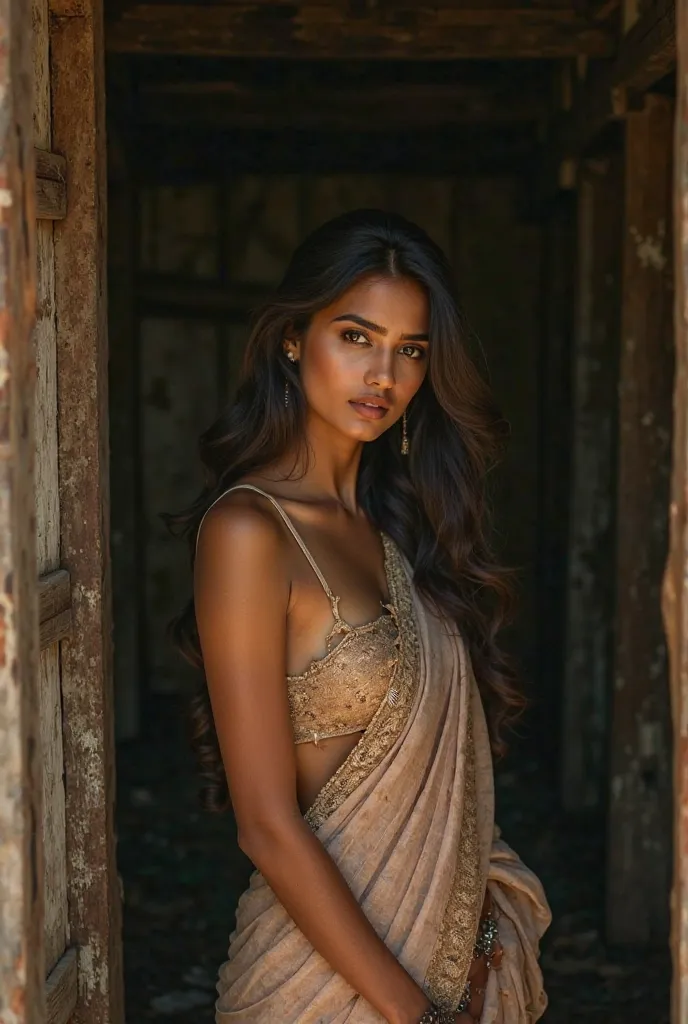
column 343, row 550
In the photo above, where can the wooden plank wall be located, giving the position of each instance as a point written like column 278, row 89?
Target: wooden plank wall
column 639, row 819
column 675, row 591
column 591, row 565
column 56, row 929
column 21, row 848
column 554, row 405
column 78, row 97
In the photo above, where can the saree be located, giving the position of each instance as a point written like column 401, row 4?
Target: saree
column 409, row 820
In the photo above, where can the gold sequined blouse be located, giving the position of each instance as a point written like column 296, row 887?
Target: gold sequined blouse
column 338, row 694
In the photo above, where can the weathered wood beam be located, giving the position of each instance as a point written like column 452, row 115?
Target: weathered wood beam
column 639, row 818
column 61, row 989
column 675, row 590
column 312, row 30
column 22, row 972
column 383, row 108
column 648, row 51
column 54, row 607
column 51, row 185
column 646, row 54
column 78, row 105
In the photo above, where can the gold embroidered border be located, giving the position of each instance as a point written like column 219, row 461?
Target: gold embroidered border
column 389, row 720
column 451, row 958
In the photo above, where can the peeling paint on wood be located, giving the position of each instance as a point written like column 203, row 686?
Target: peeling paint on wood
column 639, row 847
column 77, row 82
column 675, row 591
column 21, row 852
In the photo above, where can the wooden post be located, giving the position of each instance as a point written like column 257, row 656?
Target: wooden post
column 127, row 571
column 639, row 847
column 675, row 594
column 22, row 999
column 77, row 79
column 590, row 596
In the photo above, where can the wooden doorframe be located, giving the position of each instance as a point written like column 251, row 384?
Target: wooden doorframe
column 22, row 996
column 77, row 73
column 675, row 592
column 78, row 138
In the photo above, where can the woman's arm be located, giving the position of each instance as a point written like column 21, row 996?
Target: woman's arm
column 242, row 594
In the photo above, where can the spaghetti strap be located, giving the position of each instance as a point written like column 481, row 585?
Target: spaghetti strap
column 334, row 601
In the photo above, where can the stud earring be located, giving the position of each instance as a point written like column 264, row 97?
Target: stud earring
column 404, row 436
column 290, row 356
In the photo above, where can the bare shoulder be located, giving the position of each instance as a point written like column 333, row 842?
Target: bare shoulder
column 242, row 529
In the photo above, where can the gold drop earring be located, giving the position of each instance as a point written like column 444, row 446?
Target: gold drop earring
column 404, row 436
column 292, row 359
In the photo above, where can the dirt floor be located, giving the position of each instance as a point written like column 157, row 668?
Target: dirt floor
column 182, row 875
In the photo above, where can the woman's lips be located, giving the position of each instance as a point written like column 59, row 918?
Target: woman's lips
column 369, row 411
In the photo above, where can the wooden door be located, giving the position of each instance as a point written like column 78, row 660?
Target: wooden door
column 60, row 935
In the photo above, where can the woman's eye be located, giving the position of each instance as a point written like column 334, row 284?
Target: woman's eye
column 413, row 351
column 355, row 337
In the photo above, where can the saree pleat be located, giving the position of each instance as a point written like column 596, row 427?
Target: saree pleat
column 409, row 820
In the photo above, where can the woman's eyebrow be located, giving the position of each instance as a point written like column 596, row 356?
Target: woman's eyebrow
column 376, row 328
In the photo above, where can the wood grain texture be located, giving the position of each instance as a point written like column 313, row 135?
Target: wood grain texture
column 77, row 82
column 308, row 30
column 639, row 818
column 51, row 182
column 21, row 848
column 54, row 595
column 51, row 199
column 50, row 202
column 675, row 589
column 61, row 989
column 55, row 611
column 590, row 605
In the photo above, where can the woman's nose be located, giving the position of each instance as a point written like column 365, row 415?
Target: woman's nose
column 380, row 373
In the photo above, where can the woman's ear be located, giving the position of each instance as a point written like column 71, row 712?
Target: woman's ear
column 292, row 349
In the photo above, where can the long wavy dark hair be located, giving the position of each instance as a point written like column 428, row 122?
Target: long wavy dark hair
column 432, row 503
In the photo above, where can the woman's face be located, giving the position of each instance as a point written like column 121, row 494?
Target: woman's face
column 364, row 357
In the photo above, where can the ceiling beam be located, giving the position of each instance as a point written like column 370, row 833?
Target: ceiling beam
column 229, row 105
column 409, row 31
column 647, row 53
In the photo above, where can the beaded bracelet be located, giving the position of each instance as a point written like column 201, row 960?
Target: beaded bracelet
column 436, row 1015
column 485, row 944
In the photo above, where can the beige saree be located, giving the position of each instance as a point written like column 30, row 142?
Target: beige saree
column 409, row 820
